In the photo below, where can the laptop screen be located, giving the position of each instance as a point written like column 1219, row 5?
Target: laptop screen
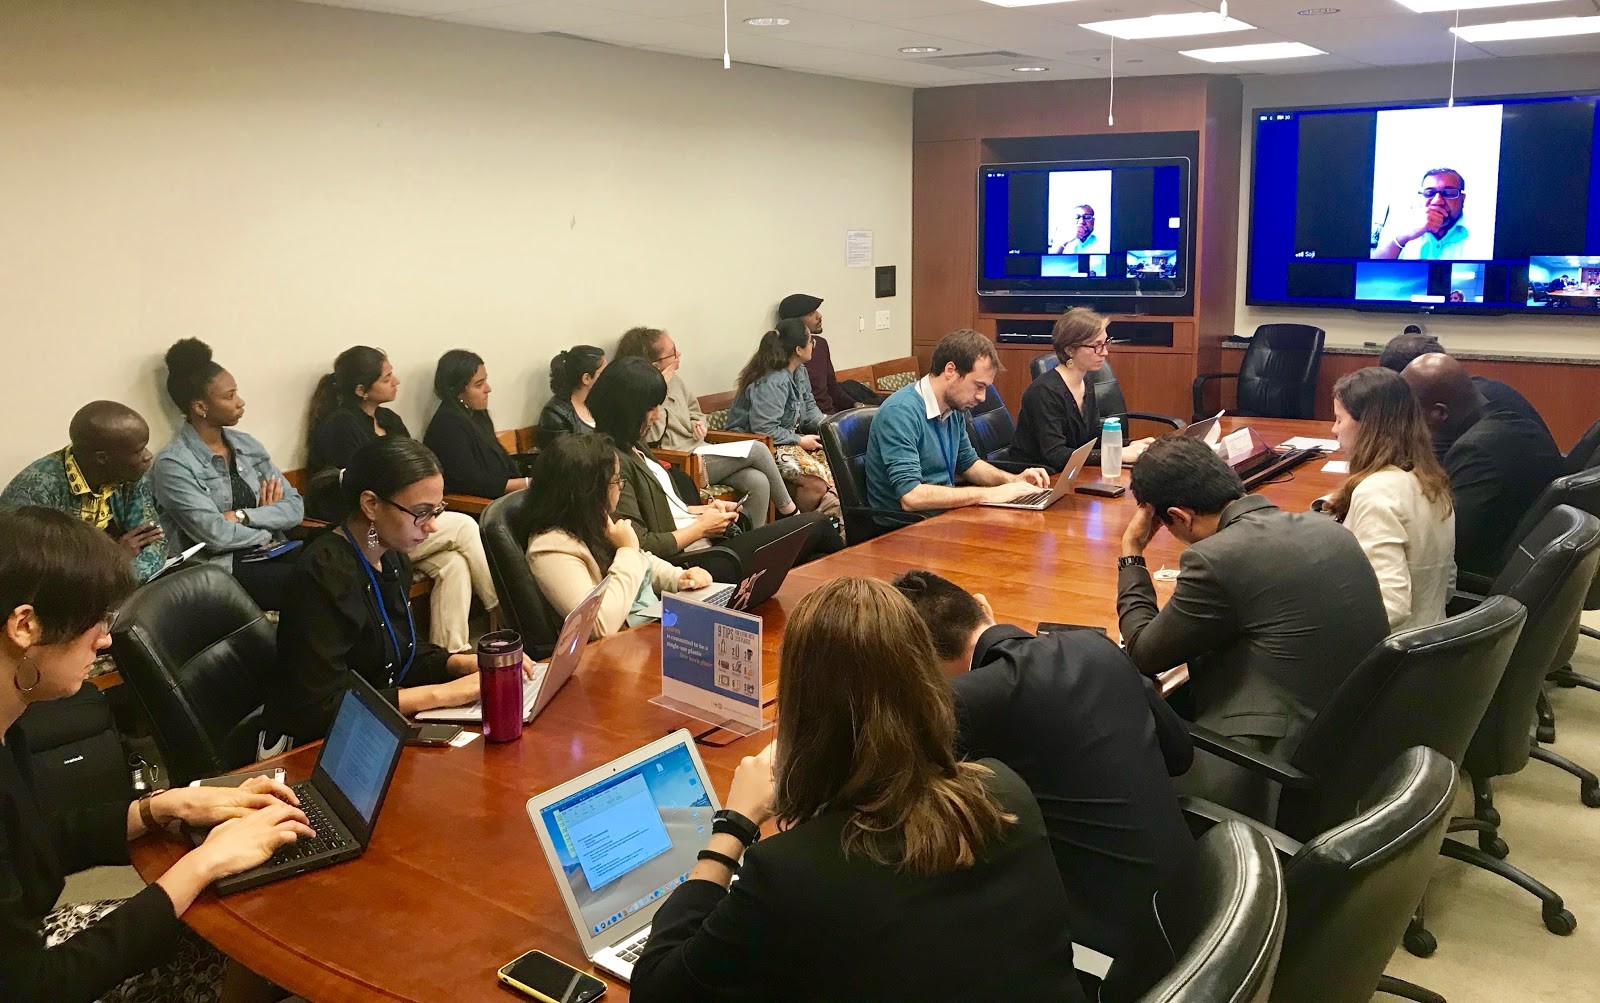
column 358, row 754
column 626, row 841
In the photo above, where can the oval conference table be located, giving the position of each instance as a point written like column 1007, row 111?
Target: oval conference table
column 454, row 885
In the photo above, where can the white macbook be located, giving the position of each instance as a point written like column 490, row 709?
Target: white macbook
column 548, row 677
column 1043, row 499
column 620, row 838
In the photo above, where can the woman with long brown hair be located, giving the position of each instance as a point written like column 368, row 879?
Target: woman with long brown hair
column 1397, row 498
column 887, row 843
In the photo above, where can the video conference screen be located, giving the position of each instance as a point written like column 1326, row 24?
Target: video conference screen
column 1488, row 207
column 1101, row 228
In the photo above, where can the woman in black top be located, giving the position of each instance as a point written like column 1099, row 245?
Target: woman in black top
column 347, row 408
column 461, row 433
column 59, row 580
column 937, row 874
column 572, row 373
column 348, row 610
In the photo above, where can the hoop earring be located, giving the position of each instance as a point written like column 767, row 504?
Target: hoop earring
column 16, row 681
column 372, row 536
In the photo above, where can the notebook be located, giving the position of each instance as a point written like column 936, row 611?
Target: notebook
column 620, row 838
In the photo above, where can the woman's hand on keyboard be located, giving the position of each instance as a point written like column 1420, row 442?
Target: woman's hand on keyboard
column 244, row 842
column 204, row 807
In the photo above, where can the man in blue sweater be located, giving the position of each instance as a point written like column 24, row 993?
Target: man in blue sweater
column 919, row 446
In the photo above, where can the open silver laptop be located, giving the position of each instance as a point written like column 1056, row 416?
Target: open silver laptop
column 620, row 838
column 1207, row 430
column 1043, row 499
column 548, row 677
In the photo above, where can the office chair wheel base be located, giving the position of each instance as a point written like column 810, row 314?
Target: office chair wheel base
column 1590, row 796
column 1560, row 922
column 1420, row 943
column 1487, row 813
column 1547, row 734
column 1494, row 846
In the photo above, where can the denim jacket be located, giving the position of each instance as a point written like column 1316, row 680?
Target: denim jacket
column 779, row 405
column 193, row 490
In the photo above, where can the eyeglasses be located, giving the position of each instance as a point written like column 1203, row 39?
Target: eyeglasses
column 1448, row 193
column 1098, row 348
column 616, row 481
column 666, row 358
column 420, row 514
column 1083, row 215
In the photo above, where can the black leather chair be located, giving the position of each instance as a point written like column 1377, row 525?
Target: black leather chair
column 992, row 431
column 505, row 542
column 1586, row 453
column 1223, row 930
column 844, row 440
column 1108, row 398
column 200, row 657
column 1278, row 377
column 1550, row 574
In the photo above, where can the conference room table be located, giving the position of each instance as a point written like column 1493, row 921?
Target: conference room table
column 454, row 884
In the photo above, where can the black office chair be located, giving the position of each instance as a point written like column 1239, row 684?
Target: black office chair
column 200, row 656
column 1221, row 932
column 1587, row 458
column 1108, row 398
column 844, row 439
column 992, row 431
column 1586, row 453
column 504, row 526
column 1550, row 574
column 1278, row 378
column 1352, row 889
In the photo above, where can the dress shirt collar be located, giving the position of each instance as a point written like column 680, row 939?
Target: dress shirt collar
column 930, row 400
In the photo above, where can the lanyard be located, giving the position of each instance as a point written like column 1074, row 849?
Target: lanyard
column 944, row 432
column 383, row 612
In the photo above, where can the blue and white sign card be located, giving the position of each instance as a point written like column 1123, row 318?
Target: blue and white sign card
column 711, row 663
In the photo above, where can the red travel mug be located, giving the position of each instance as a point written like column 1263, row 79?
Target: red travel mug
column 500, row 676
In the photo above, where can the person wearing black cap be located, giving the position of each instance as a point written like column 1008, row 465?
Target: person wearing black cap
column 832, row 396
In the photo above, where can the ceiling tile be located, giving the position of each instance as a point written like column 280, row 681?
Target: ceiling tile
column 539, row 15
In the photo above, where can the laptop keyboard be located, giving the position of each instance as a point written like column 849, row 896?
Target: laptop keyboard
column 629, row 949
column 327, row 836
column 1033, row 499
column 720, row 597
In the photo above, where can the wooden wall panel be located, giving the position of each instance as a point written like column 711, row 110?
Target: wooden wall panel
column 944, row 234
column 1061, row 108
column 1217, row 240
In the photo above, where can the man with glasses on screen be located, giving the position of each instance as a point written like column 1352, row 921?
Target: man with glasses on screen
column 1084, row 238
column 1434, row 231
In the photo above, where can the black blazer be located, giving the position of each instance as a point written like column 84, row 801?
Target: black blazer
column 337, row 436
column 560, row 418
column 1050, row 425
column 1498, row 467
column 38, row 850
column 474, row 462
column 329, row 627
column 805, row 923
column 1097, row 746
column 1504, row 397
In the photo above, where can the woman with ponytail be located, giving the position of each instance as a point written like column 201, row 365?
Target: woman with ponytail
column 347, row 414
column 218, row 486
column 461, row 433
column 572, row 373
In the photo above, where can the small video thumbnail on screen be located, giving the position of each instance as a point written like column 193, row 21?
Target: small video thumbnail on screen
column 1420, row 282
column 1152, row 264
column 1565, row 280
column 1073, row 266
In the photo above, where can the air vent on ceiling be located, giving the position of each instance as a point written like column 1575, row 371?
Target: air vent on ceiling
column 972, row 60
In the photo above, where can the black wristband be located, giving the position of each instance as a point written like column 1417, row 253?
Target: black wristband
column 736, row 825
column 1131, row 561
column 721, row 858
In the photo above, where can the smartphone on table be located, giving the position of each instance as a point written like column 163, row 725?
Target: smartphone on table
column 541, row 977
column 434, row 734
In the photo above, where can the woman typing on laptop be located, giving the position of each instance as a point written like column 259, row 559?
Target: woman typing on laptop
column 59, row 580
column 898, row 871
column 349, row 604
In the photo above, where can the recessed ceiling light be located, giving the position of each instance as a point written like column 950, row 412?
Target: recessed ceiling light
column 1550, row 27
column 913, row 50
column 1434, row 6
column 1251, row 53
column 1029, row 69
column 1200, row 22
column 766, row 22
column 1317, row 11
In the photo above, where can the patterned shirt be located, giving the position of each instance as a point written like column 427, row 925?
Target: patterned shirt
column 57, row 482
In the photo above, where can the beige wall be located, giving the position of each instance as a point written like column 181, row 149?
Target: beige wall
column 1544, row 74
column 287, row 180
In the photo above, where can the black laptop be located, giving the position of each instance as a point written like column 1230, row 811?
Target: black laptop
column 768, row 567
column 346, row 789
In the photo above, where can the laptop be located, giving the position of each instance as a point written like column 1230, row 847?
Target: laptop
column 620, row 838
column 548, row 677
column 1205, row 430
column 1043, row 499
column 344, row 794
column 769, row 566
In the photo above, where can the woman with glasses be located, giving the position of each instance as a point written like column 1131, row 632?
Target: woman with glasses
column 59, row 580
column 1058, row 412
column 572, row 537
column 347, row 413
column 349, row 609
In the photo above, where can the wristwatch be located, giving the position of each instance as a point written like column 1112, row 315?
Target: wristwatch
column 735, row 825
column 148, row 816
column 242, row 516
column 1131, row 561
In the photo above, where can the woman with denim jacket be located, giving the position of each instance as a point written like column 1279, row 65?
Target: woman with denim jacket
column 217, row 486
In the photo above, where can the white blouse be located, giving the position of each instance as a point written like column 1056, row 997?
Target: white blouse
column 1411, row 543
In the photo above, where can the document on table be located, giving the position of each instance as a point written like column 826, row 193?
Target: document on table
column 738, row 449
column 1336, row 467
column 1307, row 442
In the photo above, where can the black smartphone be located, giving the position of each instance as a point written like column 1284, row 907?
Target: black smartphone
column 1102, row 489
column 544, row 978
column 1046, row 627
column 434, row 734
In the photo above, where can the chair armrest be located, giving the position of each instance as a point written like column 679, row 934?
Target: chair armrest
column 723, row 435
column 1168, row 682
column 1589, row 632
column 1474, row 585
column 1462, row 601
column 472, row 505
column 1242, row 755
column 1202, row 815
column 1198, row 388
column 1165, row 419
column 689, row 463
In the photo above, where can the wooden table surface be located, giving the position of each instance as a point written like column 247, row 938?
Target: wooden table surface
column 454, row 884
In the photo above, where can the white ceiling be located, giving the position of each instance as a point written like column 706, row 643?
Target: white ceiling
column 861, row 39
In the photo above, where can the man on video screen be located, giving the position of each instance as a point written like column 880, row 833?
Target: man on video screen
column 1433, row 230
column 1085, row 237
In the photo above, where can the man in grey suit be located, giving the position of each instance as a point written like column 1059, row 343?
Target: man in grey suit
column 1272, row 609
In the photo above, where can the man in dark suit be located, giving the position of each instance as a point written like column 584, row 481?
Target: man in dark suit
column 1092, row 739
column 1272, row 609
column 1403, row 348
column 1498, row 461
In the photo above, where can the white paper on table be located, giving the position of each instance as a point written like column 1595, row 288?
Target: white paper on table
column 1336, row 467
column 738, row 449
column 1307, row 442
column 1238, row 444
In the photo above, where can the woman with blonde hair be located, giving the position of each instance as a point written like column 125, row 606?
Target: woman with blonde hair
column 1397, row 498
column 886, row 841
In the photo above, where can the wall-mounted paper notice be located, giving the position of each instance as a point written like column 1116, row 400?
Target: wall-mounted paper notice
column 858, row 248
